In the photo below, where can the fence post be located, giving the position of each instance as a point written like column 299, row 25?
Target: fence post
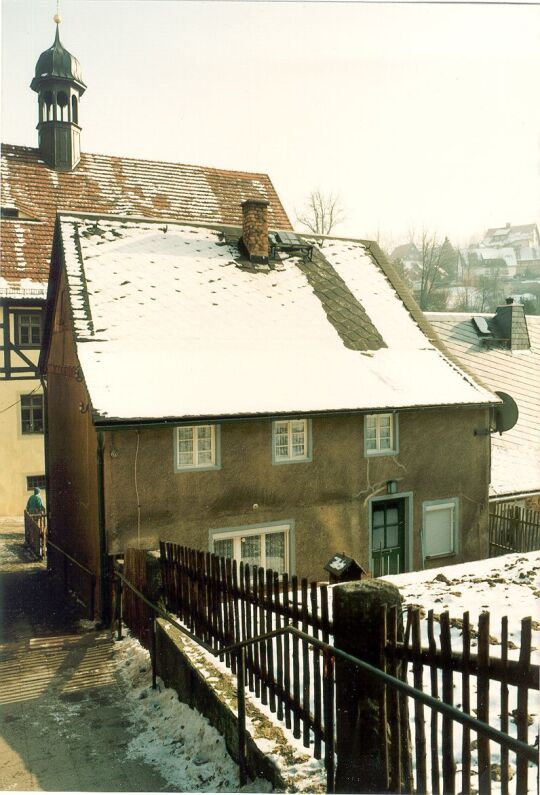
column 118, row 588
column 152, row 623
column 361, row 737
column 241, row 704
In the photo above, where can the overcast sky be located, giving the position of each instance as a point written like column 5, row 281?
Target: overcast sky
column 417, row 115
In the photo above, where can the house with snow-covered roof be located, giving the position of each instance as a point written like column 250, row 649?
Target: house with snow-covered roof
column 503, row 350
column 256, row 393
column 35, row 183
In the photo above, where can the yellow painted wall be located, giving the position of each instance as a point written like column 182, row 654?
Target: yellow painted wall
column 21, row 454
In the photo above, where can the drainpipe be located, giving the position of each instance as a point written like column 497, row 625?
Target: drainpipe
column 103, row 557
column 46, row 449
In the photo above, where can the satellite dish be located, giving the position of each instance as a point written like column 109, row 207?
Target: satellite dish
column 506, row 415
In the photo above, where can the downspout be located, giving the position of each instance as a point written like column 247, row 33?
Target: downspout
column 103, row 557
column 46, row 449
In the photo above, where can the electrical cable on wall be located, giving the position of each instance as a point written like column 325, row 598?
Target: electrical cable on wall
column 19, row 400
column 137, row 494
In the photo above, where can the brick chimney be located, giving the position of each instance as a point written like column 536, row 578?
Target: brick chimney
column 255, row 229
column 512, row 324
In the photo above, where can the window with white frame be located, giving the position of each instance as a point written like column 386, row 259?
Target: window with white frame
column 440, row 527
column 197, row 447
column 32, row 413
column 255, row 546
column 28, row 329
column 380, row 434
column 291, row 441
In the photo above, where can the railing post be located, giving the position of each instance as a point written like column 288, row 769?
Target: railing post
column 65, row 571
column 360, row 735
column 118, row 600
column 241, row 703
column 91, row 599
column 152, row 622
column 328, row 702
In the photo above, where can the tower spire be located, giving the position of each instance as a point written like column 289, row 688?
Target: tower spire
column 59, row 85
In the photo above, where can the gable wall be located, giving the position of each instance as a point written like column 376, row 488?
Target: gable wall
column 72, row 456
column 328, row 498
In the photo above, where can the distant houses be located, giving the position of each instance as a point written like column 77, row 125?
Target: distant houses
column 506, row 262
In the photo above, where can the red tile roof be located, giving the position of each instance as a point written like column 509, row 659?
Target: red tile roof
column 114, row 185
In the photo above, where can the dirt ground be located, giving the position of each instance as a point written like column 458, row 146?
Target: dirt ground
column 63, row 722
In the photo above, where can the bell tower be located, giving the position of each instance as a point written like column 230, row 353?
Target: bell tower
column 59, row 86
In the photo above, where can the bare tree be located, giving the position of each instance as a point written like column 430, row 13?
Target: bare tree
column 437, row 263
column 322, row 212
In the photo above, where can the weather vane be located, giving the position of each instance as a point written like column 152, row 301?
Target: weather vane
column 57, row 18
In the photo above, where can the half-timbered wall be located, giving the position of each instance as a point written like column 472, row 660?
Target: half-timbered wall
column 22, row 458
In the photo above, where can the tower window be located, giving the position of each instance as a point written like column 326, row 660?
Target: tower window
column 62, row 101
column 74, row 110
column 49, row 101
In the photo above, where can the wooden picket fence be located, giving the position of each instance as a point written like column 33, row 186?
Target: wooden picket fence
column 136, row 614
column 448, row 673
column 513, row 529
column 224, row 603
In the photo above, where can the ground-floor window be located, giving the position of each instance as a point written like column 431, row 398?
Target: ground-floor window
column 36, row 481
column 440, row 527
column 255, row 546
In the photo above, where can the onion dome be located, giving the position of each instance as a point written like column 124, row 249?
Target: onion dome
column 57, row 62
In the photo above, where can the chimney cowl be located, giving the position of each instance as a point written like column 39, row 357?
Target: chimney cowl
column 255, row 229
column 509, row 300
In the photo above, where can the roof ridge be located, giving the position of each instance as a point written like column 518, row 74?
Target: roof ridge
column 146, row 160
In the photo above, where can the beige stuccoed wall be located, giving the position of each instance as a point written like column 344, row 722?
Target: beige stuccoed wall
column 328, row 499
column 21, row 454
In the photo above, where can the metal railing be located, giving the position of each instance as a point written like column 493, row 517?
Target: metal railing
column 67, row 559
column 35, row 532
column 330, row 653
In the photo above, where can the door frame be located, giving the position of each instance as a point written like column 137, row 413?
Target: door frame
column 407, row 496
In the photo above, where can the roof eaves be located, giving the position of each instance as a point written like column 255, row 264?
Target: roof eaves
column 119, row 423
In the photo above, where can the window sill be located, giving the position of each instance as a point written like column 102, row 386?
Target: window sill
column 379, row 453
column 212, row 468
column 441, row 555
column 292, row 461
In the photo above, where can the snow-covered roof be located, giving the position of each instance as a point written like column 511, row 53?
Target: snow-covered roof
column 112, row 185
column 510, row 234
column 167, row 325
column 515, row 459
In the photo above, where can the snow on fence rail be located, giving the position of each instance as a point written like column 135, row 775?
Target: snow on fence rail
column 513, row 529
column 497, row 689
column 224, row 603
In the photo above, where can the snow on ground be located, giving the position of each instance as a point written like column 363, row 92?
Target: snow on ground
column 189, row 753
column 505, row 586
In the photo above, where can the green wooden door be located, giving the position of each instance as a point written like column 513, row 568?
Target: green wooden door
column 388, row 537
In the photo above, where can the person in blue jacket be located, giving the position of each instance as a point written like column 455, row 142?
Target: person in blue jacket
column 35, row 503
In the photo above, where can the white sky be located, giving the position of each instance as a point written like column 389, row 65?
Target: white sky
column 418, row 115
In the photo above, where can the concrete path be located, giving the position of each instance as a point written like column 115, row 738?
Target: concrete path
column 63, row 723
